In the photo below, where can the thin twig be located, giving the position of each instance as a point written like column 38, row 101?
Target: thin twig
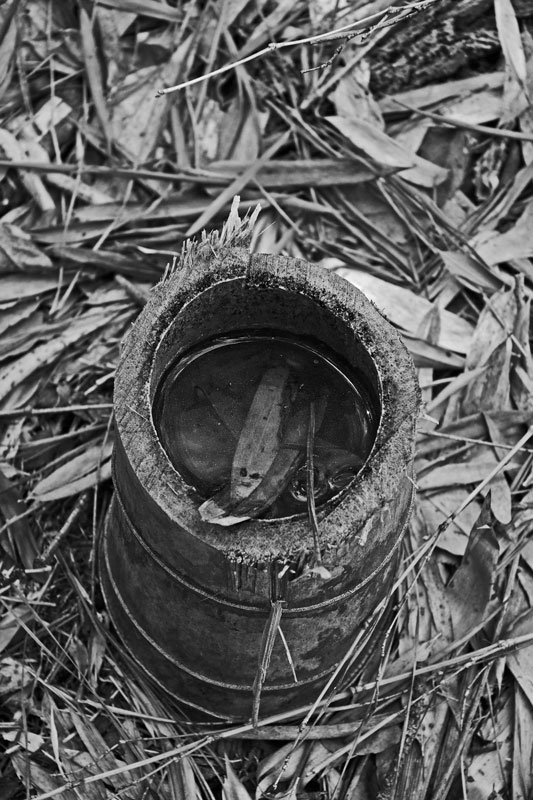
column 371, row 22
column 467, row 440
column 389, row 19
column 265, row 654
column 311, row 509
column 185, row 174
column 80, row 505
column 30, row 411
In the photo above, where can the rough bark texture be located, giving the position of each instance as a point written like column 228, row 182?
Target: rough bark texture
column 434, row 45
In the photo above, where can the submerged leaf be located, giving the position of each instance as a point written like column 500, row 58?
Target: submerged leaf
column 259, row 441
column 222, row 511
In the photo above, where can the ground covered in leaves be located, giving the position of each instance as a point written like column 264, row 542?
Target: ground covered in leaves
column 406, row 165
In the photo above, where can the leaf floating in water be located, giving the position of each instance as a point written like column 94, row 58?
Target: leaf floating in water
column 233, row 419
column 259, row 441
column 221, row 510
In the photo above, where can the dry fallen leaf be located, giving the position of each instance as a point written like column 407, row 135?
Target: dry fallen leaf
column 515, row 88
column 516, row 242
column 18, row 252
column 408, row 310
column 80, row 473
column 388, row 153
column 137, row 116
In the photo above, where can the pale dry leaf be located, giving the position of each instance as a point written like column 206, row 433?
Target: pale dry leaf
column 522, row 760
column 25, row 334
column 287, row 762
column 232, row 788
column 36, row 152
column 516, row 242
column 520, row 662
column 15, row 151
column 98, row 749
column 39, row 778
column 470, row 272
column 470, row 589
column 281, row 764
column 9, row 28
column 137, row 115
column 10, row 317
column 457, row 209
column 12, row 620
column 515, row 89
column 239, row 132
column 408, row 310
column 453, row 387
column 490, row 390
column 436, row 508
column 16, row 288
column 183, row 780
column 500, row 498
column 19, row 252
column 14, row 675
column 79, row 189
column 411, row 133
column 97, row 650
column 112, row 24
column 429, row 356
column 353, row 100
column 12, row 375
column 288, row 174
column 462, row 474
column 385, row 151
column 318, row 9
column 146, row 8
column 44, row 120
column 94, row 72
column 526, row 117
column 480, row 108
column 494, row 326
column 522, row 367
column 31, row 742
column 465, row 89
column 84, row 471
column 488, row 771
column 207, row 131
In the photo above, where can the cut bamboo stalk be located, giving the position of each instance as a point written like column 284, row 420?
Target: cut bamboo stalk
column 192, row 599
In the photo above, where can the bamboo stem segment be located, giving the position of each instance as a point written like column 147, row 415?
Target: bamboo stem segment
column 198, row 604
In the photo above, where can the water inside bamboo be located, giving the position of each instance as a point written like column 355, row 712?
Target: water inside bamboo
column 255, row 420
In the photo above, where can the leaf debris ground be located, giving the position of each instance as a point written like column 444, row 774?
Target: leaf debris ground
column 407, row 167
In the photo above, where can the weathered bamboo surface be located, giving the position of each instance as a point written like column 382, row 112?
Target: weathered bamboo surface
column 191, row 599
